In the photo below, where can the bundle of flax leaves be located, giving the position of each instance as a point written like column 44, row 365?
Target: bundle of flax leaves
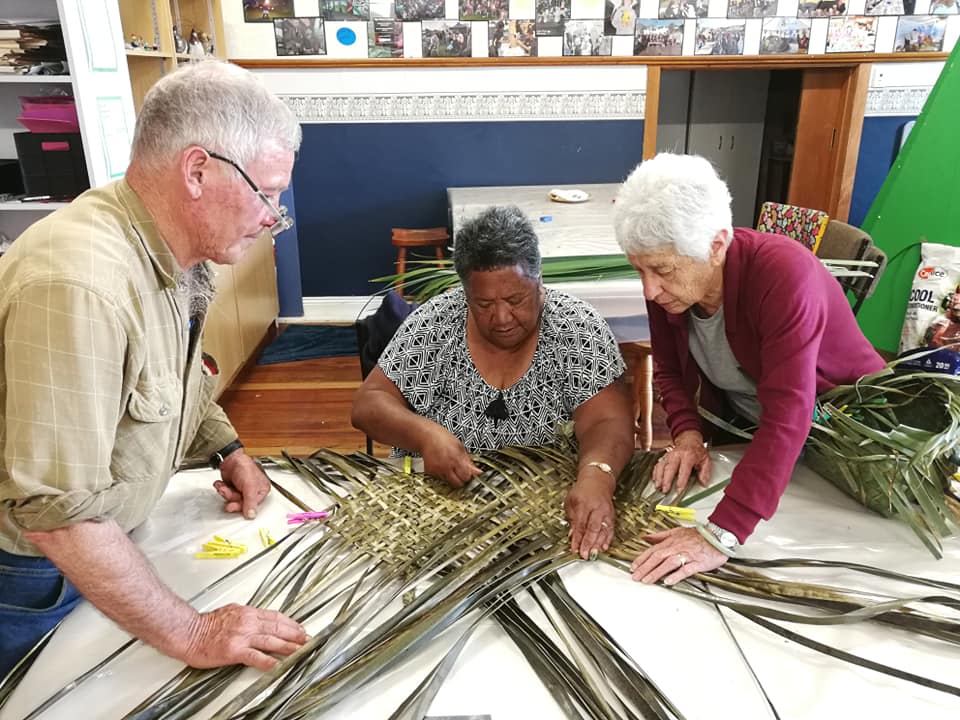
column 891, row 441
column 404, row 561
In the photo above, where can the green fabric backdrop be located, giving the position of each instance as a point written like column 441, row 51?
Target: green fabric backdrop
column 919, row 201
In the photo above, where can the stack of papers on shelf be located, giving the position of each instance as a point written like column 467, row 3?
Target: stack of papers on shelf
column 34, row 47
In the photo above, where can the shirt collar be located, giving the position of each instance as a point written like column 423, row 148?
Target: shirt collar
column 146, row 228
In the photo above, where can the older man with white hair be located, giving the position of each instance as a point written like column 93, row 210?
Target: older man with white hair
column 104, row 389
column 747, row 325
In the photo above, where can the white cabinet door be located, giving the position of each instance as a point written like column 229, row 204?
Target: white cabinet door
column 727, row 111
column 101, row 84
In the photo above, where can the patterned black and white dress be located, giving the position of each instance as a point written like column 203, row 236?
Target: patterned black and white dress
column 429, row 362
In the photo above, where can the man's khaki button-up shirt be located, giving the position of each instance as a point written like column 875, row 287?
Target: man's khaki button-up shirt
column 99, row 399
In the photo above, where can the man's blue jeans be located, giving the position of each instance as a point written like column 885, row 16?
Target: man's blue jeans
column 34, row 597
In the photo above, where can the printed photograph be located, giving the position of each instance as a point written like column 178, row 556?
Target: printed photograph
column 552, row 15
column 266, row 10
column 585, row 37
column 741, row 9
column 299, row 36
column 944, row 7
column 658, row 37
column 884, row 7
column 512, row 38
column 785, row 36
column 821, row 8
column 384, row 38
column 920, row 33
column 345, row 9
column 855, row 33
column 382, row 9
column 420, row 9
column 719, row 37
column 620, row 17
column 446, row 38
column 689, row 9
column 484, row 9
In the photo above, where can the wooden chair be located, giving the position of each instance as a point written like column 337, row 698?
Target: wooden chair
column 639, row 359
column 436, row 238
column 842, row 241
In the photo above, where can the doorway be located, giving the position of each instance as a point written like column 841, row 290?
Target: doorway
column 733, row 118
column 788, row 135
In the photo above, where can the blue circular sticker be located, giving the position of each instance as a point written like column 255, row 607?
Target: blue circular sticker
column 346, row 36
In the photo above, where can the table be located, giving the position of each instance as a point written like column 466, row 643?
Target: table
column 564, row 229
column 681, row 643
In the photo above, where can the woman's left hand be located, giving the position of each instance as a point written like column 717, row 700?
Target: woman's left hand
column 591, row 515
column 676, row 554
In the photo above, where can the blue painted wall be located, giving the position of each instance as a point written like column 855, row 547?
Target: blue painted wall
column 879, row 142
column 286, row 252
column 354, row 182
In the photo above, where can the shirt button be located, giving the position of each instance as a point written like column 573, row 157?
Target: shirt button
column 164, row 410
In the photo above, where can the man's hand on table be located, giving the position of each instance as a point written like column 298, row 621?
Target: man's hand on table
column 243, row 484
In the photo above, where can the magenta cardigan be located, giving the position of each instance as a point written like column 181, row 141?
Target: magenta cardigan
column 791, row 329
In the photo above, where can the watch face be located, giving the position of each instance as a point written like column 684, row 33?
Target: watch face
column 726, row 538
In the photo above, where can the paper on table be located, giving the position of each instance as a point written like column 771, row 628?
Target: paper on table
column 569, row 196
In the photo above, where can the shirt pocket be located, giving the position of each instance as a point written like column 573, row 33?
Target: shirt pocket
column 154, row 402
column 147, row 435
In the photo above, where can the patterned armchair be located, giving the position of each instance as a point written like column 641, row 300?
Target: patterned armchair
column 804, row 225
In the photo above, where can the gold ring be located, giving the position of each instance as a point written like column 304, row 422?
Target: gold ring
column 683, row 559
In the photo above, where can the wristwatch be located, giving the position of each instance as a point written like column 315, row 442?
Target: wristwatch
column 726, row 538
column 220, row 455
column 603, row 467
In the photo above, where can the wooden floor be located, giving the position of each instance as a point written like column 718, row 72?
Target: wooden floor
column 305, row 405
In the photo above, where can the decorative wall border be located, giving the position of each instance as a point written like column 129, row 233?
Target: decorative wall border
column 499, row 107
column 896, row 100
column 458, row 107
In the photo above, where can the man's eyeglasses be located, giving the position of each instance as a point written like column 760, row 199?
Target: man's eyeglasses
column 281, row 220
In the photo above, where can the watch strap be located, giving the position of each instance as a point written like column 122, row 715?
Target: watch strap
column 713, row 540
column 220, row 455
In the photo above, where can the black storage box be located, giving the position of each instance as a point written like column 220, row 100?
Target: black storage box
column 52, row 164
column 11, row 181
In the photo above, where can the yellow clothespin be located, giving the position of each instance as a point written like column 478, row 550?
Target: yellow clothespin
column 677, row 513
column 224, row 541
column 265, row 538
column 407, row 465
column 221, row 548
column 218, row 554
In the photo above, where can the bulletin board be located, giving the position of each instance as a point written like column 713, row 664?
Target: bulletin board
column 511, row 30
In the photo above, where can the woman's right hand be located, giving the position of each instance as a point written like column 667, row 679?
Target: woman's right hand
column 683, row 457
column 444, row 456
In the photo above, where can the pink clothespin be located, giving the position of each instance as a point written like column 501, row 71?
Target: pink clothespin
column 297, row 518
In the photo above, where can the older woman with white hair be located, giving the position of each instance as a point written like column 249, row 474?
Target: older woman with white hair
column 747, row 325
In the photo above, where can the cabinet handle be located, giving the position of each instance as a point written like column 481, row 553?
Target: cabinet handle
column 732, row 139
column 720, row 144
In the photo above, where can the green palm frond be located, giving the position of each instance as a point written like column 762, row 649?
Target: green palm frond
column 429, row 278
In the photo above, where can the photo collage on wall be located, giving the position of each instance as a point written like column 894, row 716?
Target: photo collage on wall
column 528, row 28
